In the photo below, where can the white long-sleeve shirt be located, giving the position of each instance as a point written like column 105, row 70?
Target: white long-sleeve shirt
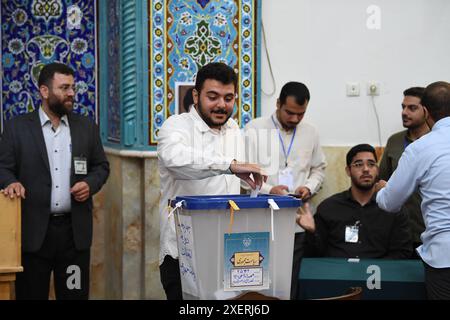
column 306, row 159
column 194, row 159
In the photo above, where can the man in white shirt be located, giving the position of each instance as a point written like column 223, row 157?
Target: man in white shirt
column 425, row 164
column 295, row 160
column 198, row 154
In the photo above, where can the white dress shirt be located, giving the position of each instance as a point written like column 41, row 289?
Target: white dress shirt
column 306, row 159
column 194, row 159
column 425, row 164
column 59, row 144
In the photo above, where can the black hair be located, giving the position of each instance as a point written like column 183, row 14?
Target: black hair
column 436, row 99
column 49, row 70
column 414, row 92
column 360, row 148
column 217, row 71
column 295, row 89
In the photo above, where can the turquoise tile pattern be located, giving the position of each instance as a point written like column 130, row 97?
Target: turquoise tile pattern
column 37, row 32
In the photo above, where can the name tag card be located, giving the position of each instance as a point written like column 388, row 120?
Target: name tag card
column 286, row 177
column 351, row 234
column 80, row 165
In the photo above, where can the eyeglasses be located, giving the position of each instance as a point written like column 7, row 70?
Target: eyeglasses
column 361, row 164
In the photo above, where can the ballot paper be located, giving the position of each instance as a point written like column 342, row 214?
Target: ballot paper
column 255, row 192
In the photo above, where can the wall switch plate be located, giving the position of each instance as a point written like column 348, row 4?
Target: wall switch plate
column 352, row 89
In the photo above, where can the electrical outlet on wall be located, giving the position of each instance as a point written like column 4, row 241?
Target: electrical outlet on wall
column 352, row 89
column 373, row 88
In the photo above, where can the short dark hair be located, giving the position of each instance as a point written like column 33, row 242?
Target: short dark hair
column 295, row 89
column 216, row 71
column 49, row 70
column 436, row 99
column 360, row 148
column 414, row 92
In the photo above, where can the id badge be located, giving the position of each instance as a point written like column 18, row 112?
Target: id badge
column 80, row 165
column 351, row 234
column 285, row 177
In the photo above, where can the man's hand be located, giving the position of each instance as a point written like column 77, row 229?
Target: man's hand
column 280, row 189
column 246, row 171
column 380, row 185
column 15, row 189
column 80, row 191
column 305, row 218
column 303, row 192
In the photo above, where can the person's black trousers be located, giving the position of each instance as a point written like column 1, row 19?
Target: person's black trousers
column 299, row 252
column 169, row 272
column 58, row 254
column 437, row 282
column 414, row 254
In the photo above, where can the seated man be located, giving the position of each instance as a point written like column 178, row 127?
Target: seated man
column 350, row 224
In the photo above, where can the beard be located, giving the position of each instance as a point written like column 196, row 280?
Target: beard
column 57, row 106
column 288, row 126
column 412, row 124
column 208, row 119
column 364, row 186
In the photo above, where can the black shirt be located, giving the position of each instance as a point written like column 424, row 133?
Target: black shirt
column 381, row 234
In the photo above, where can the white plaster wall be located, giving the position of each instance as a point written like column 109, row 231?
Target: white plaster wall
column 326, row 43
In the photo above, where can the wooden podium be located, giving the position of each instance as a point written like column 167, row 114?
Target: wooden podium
column 10, row 245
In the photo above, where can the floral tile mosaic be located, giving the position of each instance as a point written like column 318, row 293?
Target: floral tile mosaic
column 113, row 101
column 184, row 35
column 37, row 32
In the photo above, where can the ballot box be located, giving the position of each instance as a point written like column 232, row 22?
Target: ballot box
column 380, row 279
column 229, row 245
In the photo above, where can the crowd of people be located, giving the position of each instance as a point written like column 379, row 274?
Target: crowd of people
column 54, row 160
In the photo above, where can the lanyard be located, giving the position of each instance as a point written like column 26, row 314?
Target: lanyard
column 286, row 155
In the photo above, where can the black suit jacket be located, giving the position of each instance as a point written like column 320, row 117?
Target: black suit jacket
column 24, row 159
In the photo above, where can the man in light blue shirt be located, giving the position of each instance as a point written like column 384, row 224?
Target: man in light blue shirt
column 425, row 164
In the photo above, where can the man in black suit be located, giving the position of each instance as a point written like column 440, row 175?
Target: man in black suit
column 54, row 160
